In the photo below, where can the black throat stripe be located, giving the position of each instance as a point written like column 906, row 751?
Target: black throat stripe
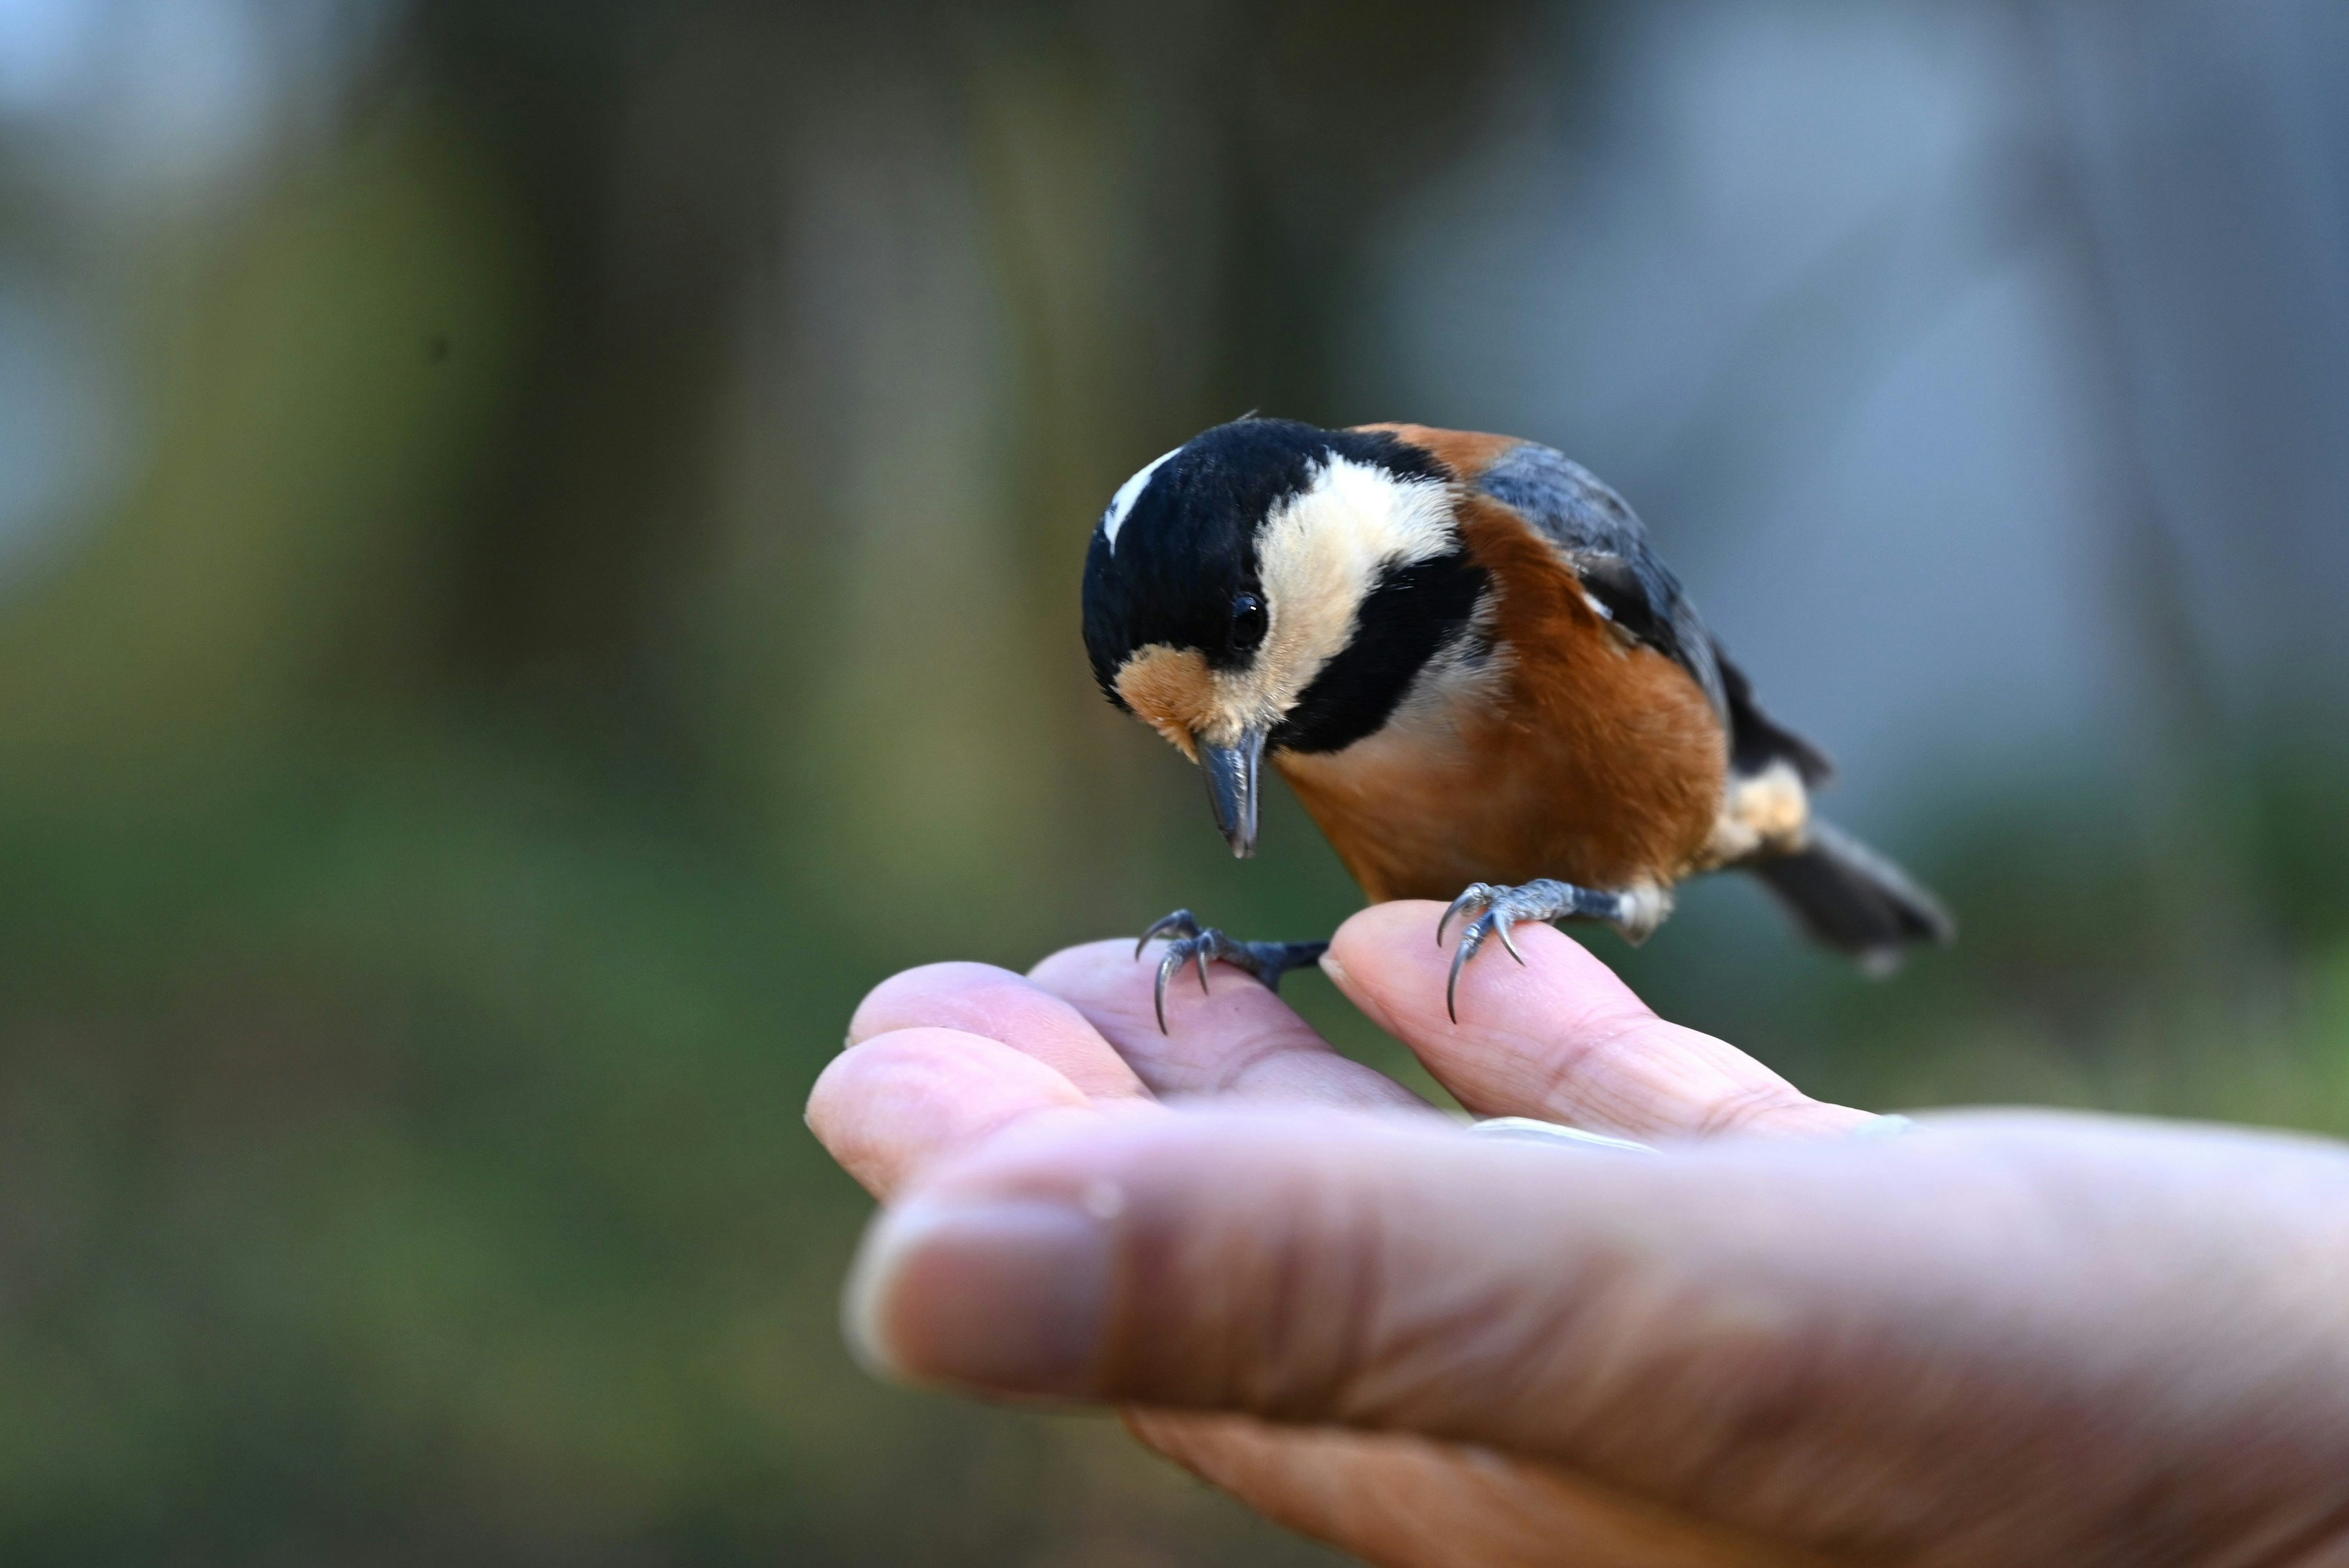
column 1412, row 613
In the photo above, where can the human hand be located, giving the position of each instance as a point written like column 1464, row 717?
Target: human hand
column 2019, row 1339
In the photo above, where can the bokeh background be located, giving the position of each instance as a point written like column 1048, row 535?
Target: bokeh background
column 538, row 558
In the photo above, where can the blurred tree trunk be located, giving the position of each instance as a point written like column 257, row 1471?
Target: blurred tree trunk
column 873, row 308
column 736, row 389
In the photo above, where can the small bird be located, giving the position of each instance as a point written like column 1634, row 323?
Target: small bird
column 1475, row 671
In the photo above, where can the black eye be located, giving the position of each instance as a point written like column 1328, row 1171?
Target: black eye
column 1248, row 620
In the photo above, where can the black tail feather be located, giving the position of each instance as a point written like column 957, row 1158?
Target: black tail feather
column 1850, row 898
column 1756, row 740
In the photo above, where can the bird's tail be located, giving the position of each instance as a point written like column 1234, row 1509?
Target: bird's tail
column 1852, row 899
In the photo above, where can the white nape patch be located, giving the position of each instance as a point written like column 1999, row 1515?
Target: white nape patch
column 1127, row 494
column 1318, row 557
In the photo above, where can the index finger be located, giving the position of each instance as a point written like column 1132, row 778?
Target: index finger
column 980, row 999
column 941, row 1059
column 1561, row 1038
column 890, row 1106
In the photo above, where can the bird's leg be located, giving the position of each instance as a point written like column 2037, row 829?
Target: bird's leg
column 1635, row 911
column 1189, row 943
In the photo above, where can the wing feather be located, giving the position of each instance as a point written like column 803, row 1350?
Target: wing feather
column 1601, row 538
column 1604, row 541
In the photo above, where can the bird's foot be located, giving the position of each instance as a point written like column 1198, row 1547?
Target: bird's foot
column 1635, row 913
column 1189, row 943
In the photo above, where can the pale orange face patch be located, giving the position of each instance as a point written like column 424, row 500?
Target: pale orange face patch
column 1171, row 690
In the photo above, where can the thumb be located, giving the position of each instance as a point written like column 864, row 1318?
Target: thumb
column 1332, row 1269
column 1750, row 1329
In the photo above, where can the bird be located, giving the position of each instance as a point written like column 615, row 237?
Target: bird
column 1473, row 668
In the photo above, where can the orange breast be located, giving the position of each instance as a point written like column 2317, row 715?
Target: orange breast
column 1582, row 759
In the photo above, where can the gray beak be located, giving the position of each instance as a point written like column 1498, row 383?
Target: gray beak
column 1232, row 773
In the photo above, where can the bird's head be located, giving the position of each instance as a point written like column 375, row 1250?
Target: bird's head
column 1268, row 584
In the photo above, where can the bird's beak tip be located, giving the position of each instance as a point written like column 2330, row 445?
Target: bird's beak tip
column 1232, row 774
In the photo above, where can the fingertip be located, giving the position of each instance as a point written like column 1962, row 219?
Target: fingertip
column 919, row 995
column 1563, row 1038
column 1386, row 961
column 1387, row 925
column 894, row 1103
column 981, row 999
column 890, row 1066
column 1383, row 954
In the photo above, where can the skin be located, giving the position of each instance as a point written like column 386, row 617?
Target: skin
column 1998, row 1339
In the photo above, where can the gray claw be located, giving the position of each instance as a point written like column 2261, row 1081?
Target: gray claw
column 1193, row 944
column 1477, row 895
column 1503, row 907
column 1166, row 967
column 1470, row 939
column 1494, row 922
column 1182, row 923
column 1266, row 960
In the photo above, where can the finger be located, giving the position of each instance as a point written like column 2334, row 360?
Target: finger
column 1394, row 1499
column 980, row 999
column 1561, row 1038
column 1239, row 1040
column 1137, row 1268
column 1757, row 1333
column 896, row 1104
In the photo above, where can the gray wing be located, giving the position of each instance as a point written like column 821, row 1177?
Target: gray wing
column 1602, row 539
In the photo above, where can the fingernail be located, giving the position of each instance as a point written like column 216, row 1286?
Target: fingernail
column 1332, row 969
column 1006, row 1294
column 1892, row 1124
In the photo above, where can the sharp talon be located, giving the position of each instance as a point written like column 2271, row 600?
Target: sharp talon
column 1469, row 942
column 1476, row 891
column 1501, row 909
column 1265, row 962
column 1166, row 967
column 1181, row 923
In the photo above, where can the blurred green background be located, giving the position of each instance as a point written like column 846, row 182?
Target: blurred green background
column 538, row 558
